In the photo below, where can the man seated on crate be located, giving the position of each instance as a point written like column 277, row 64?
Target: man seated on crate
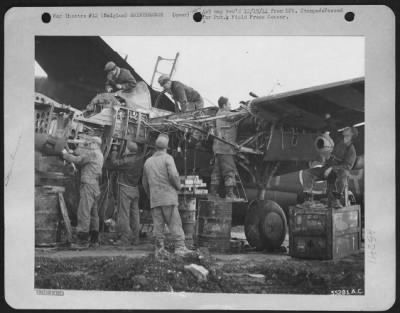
column 118, row 78
column 337, row 168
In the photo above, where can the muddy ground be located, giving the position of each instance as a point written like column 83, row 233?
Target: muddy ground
column 136, row 269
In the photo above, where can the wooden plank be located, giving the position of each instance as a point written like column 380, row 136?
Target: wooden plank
column 65, row 216
column 52, row 189
column 139, row 124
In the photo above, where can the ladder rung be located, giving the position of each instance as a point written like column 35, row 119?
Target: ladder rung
column 161, row 58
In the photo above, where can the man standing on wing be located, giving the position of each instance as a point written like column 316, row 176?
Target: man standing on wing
column 91, row 162
column 118, row 78
column 188, row 98
column 224, row 166
column 161, row 184
column 129, row 167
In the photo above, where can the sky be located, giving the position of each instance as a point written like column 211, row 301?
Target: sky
column 233, row 66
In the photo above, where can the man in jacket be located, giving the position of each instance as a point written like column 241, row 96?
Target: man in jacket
column 118, row 78
column 337, row 168
column 91, row 162
column 161, row 184
column 188, row 98
column 129, row 168
column 224, row 166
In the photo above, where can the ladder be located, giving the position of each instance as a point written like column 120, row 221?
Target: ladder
column 239, row 189
column 156, row 71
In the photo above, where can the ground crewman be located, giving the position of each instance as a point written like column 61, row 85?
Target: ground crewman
column 118, row 78
column 188, row 98
column 129, row 167
column 91, row 162
column 161, row 184
column 337, row 168
column 224, row 166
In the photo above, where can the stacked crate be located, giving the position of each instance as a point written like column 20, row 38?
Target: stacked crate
column 193, row 185
column 324, row 233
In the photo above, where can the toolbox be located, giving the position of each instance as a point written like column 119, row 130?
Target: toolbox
column 323, row 232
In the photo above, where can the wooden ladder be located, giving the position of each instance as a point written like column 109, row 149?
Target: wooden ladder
column 156, row 71
column 239, row 189
column 65, row 216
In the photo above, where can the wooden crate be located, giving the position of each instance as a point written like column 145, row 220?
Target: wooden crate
column 324, row 233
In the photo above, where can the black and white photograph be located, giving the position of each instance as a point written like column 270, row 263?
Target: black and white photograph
column 199, row 164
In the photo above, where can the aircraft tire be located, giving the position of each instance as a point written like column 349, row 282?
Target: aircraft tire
column 273, row 225
column 255, row 213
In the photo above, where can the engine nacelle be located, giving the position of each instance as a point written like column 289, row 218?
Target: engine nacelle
column 324, row 145
column 49, row 145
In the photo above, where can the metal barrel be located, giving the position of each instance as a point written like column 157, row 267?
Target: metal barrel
column 214, row 225
column 187, row 211
column 47, row 215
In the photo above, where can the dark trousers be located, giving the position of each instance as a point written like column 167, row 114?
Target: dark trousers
column 336, row 180
column 191, row 106
column 88, row 215
column 224, row 168
column 128, row 223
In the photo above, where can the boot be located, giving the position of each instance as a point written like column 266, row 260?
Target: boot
column 161, row 252
column 213, row 191
column 230, row 195
column 183, row 251
column 122, row 242
column 94, row 239
column 82, row 242
column 334, row 201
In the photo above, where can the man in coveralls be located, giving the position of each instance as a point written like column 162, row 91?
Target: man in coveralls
column 129, row 167
column 91, row 162
column 161, row 183
column 188, row 98
column 337, row 168
column 118, row 78
column 224, row 166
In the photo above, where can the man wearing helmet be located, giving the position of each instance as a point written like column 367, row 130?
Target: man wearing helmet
column 188, row 98
column 224, row 166
column 90, row 160
column 161, row 183
column 118, row 78
column 337, row 168
column 129, row 167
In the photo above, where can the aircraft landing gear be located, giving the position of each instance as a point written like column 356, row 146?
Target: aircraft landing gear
column 265, row 225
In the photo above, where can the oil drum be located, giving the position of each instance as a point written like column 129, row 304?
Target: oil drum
column 187, row 211
column 47, row 215
column 214, row 225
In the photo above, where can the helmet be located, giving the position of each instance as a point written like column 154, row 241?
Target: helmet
column 354, row 131
column 132, row 146
column 222, row 101
column 95, row 140
column 162, row 141
column 163, row 79
column 109, row 66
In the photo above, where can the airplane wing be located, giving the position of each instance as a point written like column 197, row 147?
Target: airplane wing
column 307, row 108
column 75, row 69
